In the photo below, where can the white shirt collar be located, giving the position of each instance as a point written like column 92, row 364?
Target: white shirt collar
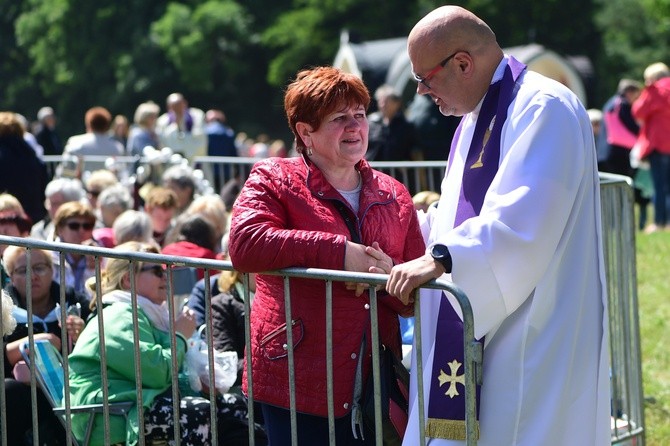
column 497, row 75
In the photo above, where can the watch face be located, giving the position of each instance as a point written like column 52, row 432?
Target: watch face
column 438, row 251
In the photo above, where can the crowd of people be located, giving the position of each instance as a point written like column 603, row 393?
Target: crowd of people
column 172, row 215
column 630, row 140
column 516, row 225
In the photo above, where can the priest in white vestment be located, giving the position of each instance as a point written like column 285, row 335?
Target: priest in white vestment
column 529, row 256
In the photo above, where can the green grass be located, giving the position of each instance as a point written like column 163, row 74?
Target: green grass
column 653, row 271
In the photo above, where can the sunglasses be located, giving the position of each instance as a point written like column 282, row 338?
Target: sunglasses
column 156, row 270
column 77, row 225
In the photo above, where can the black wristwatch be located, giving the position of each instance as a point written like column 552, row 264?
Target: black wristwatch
column 441, row 254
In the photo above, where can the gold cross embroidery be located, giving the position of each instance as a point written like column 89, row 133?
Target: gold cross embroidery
column 477, row 164
column 452, row 379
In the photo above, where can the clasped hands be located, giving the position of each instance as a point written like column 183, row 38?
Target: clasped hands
column 366, row 259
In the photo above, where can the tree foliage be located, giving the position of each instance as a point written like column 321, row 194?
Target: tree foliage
column 237, row 55
column 635, row 34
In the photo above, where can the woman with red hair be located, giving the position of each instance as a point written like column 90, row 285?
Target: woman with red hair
column 324, row 209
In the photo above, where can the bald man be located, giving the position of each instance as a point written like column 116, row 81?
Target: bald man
column 182, row 128
column 517, row 227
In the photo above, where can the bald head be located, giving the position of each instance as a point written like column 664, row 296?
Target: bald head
column 176, row 103
column 453, row 30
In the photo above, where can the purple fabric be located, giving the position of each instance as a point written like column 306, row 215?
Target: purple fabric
column 188, row 120
column 447, row 398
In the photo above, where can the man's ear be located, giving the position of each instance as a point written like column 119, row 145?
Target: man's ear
column 464, row 62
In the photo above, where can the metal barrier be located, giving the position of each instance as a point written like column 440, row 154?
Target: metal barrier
column 472, row 347
column 618, row 221
column 416, row 175
column 619, row 250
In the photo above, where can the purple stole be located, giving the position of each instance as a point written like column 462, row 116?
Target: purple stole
column 446, row 404
column 188, row 121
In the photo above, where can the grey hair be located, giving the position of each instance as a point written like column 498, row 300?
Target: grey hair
column 180, row 174
column 132, row 225
column 71, row 189
column 115, row 195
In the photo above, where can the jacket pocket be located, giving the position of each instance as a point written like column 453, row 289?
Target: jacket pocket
column 275, row 344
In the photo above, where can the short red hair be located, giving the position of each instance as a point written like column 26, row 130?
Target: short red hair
column 317, row 92
column 98, row 119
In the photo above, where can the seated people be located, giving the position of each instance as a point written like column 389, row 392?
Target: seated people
column 112, row 202
column 132, row 225
column 194, row 237
column 156, row 360
column 96, row 182
column 74, row 223
column 14, row 223
column 213, row 209
column 180, row 179
column 228, row 316
column 46, row 325
column 58, row 192
column 160, row 205
column 198, row 300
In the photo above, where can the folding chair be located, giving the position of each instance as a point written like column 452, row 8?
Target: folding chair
column 50, row 378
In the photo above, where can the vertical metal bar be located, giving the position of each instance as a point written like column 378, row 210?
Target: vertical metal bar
column 472, row 358
column 291, row 362
column 374, row 347
column 31, row 343
column 103, row 350
column 173, row 357
column 329, row 361
column 3, row 397
column 210, row 358
column 418, row 354
column 136, row 349
column 247, row 342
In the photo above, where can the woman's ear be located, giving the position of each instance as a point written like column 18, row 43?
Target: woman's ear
column 125, row 281
column 304, row 132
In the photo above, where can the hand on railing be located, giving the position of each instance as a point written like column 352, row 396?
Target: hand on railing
column 367, row 259
column 406, row 277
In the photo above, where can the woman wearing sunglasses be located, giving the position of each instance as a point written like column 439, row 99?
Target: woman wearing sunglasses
column 155, row 332
column 73, row 223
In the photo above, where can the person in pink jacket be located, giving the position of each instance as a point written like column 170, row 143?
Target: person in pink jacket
column 310, row 211
column 652, row 110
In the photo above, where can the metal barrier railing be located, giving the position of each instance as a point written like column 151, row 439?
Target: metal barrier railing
column 472, row 347
column 628, row 426
column 618, row 222
column 415, row 175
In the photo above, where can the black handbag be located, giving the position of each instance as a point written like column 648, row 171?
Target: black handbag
column 394, row 388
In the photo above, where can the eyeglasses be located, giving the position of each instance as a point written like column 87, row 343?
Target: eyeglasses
column 93, row 193
column 41, row 269
column 424, row 80
column 156, row 270
column 77, row 225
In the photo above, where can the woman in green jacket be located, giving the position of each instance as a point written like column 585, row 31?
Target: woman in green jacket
column 155, row 355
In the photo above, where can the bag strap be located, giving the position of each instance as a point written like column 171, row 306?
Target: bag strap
column 356, row 411
column 347, row 220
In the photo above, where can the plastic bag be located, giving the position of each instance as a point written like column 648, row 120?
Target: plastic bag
column 197, row 365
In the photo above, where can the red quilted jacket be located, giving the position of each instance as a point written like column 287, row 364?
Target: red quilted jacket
column 285, row 217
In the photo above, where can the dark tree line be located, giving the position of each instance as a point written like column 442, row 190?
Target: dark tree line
column 238, row 55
